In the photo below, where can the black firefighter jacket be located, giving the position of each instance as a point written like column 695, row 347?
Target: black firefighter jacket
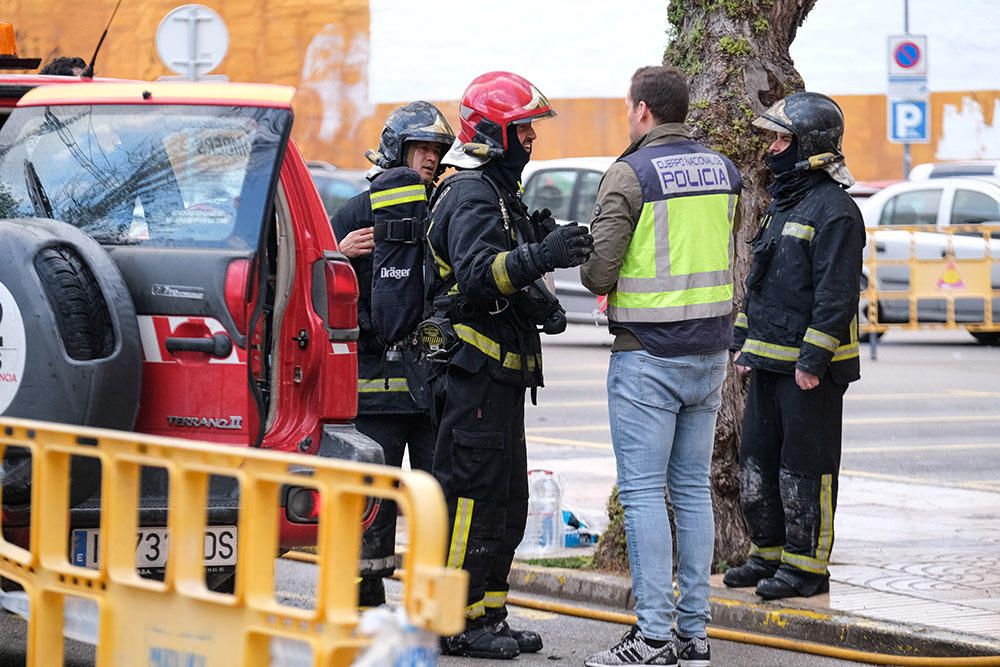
column 473, row 239
column 801, row 303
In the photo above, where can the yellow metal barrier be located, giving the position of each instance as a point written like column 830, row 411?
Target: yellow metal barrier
column 959, row 262
column 147, row 622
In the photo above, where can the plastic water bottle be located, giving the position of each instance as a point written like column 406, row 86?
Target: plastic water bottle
column 543, row 532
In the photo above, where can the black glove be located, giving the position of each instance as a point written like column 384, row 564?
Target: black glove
column 543, row 222
column 567, row 246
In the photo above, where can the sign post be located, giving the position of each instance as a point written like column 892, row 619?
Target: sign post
column 908, row 118
column 192, row 40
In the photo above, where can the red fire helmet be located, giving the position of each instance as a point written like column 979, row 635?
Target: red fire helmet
column 495, row 100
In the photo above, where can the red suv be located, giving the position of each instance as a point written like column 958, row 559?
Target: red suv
column 170, row 269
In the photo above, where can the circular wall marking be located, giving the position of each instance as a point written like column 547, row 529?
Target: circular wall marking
column 12, row 348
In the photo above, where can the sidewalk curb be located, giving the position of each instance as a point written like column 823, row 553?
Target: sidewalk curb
column 744, row 611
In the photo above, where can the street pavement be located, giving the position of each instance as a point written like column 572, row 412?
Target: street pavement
column 919, row 504
column 916, row 563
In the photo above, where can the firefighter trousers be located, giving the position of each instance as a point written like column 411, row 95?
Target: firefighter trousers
column 396, row 433
column 789, row 464
column 481, row 463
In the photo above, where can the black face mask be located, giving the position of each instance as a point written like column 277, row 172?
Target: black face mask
column 507, row 170
column 785, row 160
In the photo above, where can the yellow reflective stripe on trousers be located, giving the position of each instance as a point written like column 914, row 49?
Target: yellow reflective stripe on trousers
column 378, row 385
column 770, row 350
column 475, row 610
column 742, row 321
column 403, row 195
column 824, row 541
column 500, row 275
column 820, row 339
column 460, row 533
column 804, row 232
column 495, row 599
column 767, row 553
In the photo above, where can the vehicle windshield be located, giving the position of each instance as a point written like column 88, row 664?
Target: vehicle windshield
column 144, row 175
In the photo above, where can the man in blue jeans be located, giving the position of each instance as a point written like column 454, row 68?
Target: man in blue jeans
column 663, row 248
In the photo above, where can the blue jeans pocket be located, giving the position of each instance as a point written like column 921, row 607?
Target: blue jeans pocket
column 661, row 382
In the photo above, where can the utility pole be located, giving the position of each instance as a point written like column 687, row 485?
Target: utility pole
column 907, row 158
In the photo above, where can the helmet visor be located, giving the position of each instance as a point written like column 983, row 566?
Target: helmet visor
column 775, row 119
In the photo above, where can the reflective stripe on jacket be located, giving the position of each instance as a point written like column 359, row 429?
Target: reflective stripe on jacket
column 678, row 265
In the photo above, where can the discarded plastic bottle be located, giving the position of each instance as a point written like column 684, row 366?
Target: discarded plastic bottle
column 543, row 532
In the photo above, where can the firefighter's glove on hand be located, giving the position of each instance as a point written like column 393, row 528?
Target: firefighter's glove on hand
column 544, row 222
column 567, row 246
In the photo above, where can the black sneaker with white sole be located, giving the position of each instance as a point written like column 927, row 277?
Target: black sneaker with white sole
column 693, row 652
column 633, row 649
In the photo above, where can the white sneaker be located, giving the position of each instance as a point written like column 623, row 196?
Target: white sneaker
column 633, row 650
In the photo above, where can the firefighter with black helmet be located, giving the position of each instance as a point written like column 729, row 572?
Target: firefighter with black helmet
column 797, row 337
column 487, row 250
column 393, row 401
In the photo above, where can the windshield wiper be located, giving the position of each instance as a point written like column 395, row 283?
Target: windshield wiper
column 39, row 200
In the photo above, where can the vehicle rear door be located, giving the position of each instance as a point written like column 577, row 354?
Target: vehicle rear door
column 179, row 195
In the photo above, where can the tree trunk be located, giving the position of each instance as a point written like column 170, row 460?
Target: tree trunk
column 735, row 53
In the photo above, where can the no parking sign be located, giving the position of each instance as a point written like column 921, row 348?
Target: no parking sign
column 908, row 108
column 907, row 56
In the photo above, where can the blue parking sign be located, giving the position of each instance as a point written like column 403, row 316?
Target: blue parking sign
column 909, row 121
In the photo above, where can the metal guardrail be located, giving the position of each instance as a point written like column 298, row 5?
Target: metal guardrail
column 178, row 620
column 950, row 263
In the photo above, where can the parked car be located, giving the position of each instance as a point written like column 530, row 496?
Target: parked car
column 568, row 188
column 336, row 185
column 939, row 203
column 928, row 170
column 165, row 251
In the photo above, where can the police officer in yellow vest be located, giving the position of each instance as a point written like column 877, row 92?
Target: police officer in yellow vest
column 663, row 247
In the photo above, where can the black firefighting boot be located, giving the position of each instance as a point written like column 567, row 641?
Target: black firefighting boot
column 480, row 640
column 371, row 592
column 528, row 641
column 749, row 573
column 786, row 584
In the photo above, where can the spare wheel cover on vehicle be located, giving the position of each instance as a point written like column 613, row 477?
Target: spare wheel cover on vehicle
column 69, row 342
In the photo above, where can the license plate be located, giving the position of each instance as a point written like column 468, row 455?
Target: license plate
column 151, row 547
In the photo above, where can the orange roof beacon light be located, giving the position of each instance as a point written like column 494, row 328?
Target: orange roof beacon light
column 8, row 50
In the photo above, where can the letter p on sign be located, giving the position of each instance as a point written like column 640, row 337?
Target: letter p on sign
column 909, row 121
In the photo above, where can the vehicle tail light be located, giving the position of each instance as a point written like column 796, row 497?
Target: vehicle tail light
column 341, row 295
column 302, row 505
column 237, row 277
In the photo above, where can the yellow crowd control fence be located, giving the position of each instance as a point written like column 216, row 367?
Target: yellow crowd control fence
column 929, row 277
column 148, row 622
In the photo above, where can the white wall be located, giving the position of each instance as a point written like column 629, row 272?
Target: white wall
column 589, row 48
column 841, row 48
column 432, row 49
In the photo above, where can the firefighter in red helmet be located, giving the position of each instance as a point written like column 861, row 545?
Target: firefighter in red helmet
column 490, row 255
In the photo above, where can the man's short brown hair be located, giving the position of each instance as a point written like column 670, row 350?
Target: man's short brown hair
column 663, row 89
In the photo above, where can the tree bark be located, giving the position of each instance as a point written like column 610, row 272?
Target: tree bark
column 735, row 54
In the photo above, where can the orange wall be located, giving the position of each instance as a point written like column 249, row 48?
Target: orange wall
column 321, row 47
column 871, row 156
